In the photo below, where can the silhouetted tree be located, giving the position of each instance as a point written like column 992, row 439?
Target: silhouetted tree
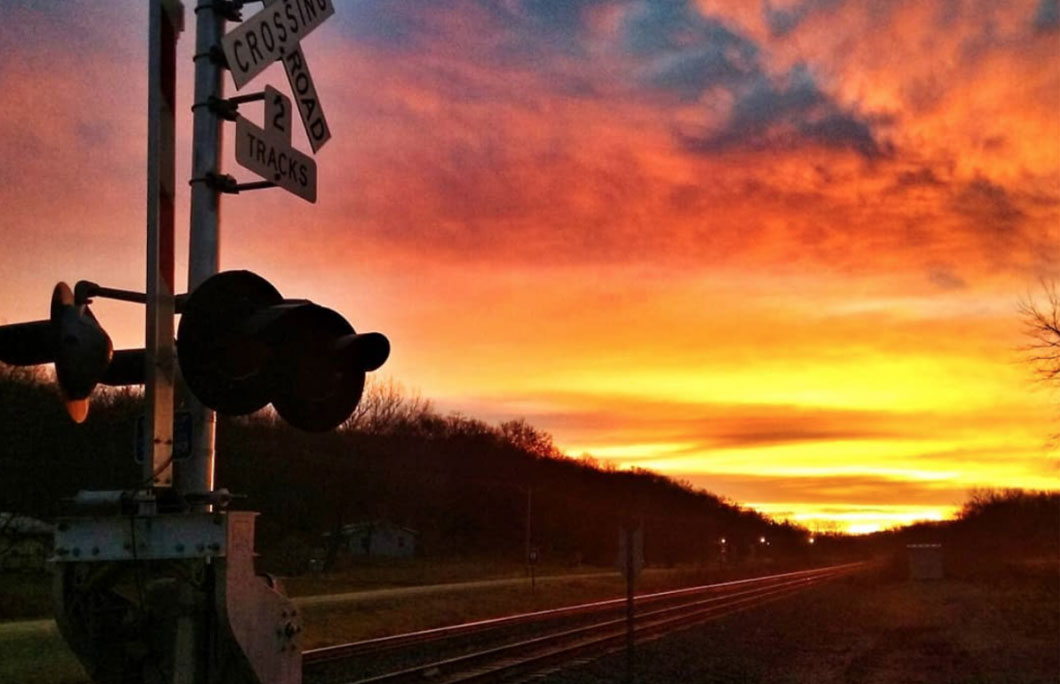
column 1041, row 321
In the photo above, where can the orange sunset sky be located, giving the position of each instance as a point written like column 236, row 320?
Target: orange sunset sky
column 775, row 249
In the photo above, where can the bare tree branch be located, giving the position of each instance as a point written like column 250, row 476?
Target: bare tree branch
column 1041, row 325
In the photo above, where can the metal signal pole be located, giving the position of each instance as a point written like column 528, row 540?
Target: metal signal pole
column 196, row 475
column 166, row 21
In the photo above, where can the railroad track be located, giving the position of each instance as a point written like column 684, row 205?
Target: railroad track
column 518, row 645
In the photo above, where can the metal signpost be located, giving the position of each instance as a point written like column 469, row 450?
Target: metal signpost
column 630, row 562
column 532, row 557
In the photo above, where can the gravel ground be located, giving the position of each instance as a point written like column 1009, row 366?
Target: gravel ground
column 864, row 630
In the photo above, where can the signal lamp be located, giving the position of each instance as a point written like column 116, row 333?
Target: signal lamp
column 241, row 346
column 81, row 350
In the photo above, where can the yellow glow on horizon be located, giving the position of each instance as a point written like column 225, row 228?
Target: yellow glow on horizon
column 868, row 383
column 618, row 453
column 853, row 518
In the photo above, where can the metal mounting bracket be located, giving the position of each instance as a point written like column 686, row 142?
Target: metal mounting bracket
column 222, row 182
column 231, row 10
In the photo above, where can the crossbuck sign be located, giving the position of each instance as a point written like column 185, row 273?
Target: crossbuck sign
column 271, row 35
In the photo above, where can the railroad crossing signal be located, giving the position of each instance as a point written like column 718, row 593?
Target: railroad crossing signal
column 241, row 345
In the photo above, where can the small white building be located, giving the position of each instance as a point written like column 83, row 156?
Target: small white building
column 379, row 538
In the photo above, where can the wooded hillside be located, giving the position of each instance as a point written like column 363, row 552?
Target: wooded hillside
column 461, row 483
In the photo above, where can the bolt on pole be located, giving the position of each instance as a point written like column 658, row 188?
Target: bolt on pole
column 196, row 475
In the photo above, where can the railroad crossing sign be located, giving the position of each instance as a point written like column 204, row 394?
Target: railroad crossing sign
column 273, row 158
column 270, row 34
column 316, row 126
column 305, row 94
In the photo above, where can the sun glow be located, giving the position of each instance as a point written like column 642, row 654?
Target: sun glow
column 853, row 518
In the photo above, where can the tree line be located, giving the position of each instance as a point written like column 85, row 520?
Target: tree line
column 461, row 483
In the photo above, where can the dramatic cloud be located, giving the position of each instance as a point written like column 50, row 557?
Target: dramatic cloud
column 692, row 55
column 784, row 20
column 1047, row 16
column 989, row 207
column 768, row 115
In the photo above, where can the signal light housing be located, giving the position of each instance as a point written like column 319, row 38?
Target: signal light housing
column 241, row 346
column 72, row 339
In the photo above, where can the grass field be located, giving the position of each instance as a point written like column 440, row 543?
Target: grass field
column 37, row 657
column 344, row 622
column 872, row 629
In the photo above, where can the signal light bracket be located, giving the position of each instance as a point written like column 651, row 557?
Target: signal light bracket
column 222, row 182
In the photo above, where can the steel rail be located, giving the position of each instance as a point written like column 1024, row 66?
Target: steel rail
column 566, row 643
column 381, row 644
column 595, row 634
column 652, row 633
column 614, row 638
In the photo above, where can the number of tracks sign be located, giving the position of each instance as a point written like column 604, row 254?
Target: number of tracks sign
column 273, row 158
